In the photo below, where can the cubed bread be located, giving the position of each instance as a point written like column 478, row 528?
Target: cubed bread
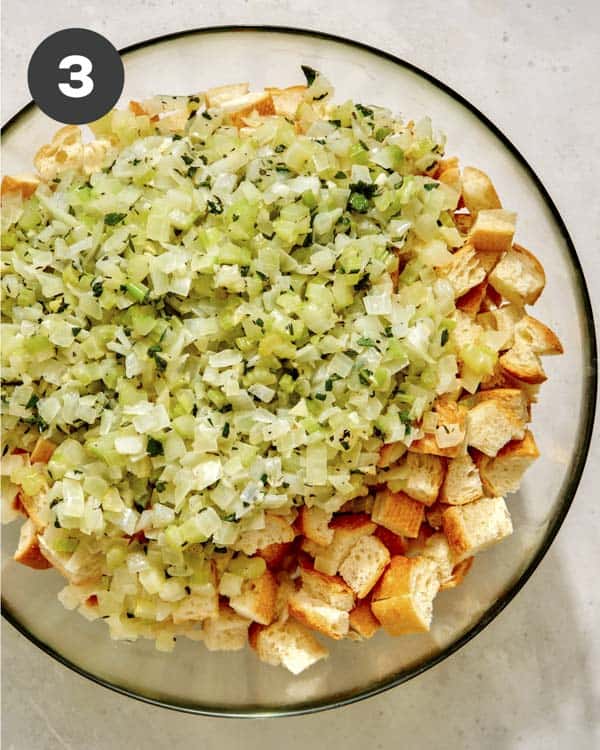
column 364, row 565
column 447, row 441
column 462, row 483
column 28, row 550
column 398, row 512
column 403, row 599
column 287, row 644
column 286, row 101
column 463, row 221
column 464, row 270
column 491, row 424
column 257, row 600
column 86, row 569
column 241, row 107
column 42, row 451
column 472, row 528
column 313, row 523
column 226, row 632
column 395, row 544
column 277, row 530
column 37, row 508
column 512, row 398
column 219, row 95
column 493, row 230
column 470, row 302
column 197, row 606
column 459, row 572
column 318, row 615
column 502, row 474
column 478, row 191
column 390, row 453
column 24, row 184
column 539, row 338
column 519, row 276
column 522, row 363
column 275, row 554
column 452, row 178
column 331, row 589
column 363, row 622
column 347, row 531
column 433, row 515
column 425, row 476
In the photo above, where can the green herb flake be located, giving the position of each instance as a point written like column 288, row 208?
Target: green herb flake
column 113, row 219
column 154, row 447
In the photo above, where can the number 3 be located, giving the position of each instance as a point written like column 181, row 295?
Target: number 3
column 81, row 76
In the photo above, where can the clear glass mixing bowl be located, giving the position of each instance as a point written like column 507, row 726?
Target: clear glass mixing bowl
column 237, row 684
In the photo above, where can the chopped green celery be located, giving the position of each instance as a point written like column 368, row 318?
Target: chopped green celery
column 64, row 544
column 115, row 556
column 9, row 239
column 142, row 319
column 286, row 384
column 39, row 346
column 309, row 199
column 358, row 155
column 216, row 397
column 174, row 536
column 137, row 291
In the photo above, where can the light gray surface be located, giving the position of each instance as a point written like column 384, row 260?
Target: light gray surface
column 531, row 679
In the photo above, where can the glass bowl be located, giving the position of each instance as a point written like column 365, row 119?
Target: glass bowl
column 237, row 684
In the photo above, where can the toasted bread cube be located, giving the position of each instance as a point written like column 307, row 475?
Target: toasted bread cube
column 434, row 514
column 287, row 644
column 314, row 524
column 464, row 270
column 89, row 569
column 472, row 528
column 462, row 483
column 243, row 106
column 458, row 574
column 523, row 363
column 258, row 599
column 502, row 474
column 492, row 424
column 425, row 477
column 450, row 432
column 226, row 632
column 42, row 451
column 390, row 453
column 493, row 230
column 37, row 508
column 470, row 302
column 362, row 504
column 347, row 531
column 286, row 101
column 219, row 95
column 463, row 221
column 395, row 544
column 478, row 191
column 331, row 589
column 24, row 184
column 197, row 606
column 362, row 620
column 398, row 512
column 519, row 276
column 318, row 615
column 277, row 530
column 28, row 551
column 403, row 599
column 364, row 565
column 513, row 398
column 434, row 547
column 275, row 554
column 537, row 336
column 452, row 178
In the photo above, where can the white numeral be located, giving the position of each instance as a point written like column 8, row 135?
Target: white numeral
column 81, row 76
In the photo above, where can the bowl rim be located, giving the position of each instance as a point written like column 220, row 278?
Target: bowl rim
column 344, row 699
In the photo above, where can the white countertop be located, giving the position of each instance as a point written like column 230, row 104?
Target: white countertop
column 532, row 678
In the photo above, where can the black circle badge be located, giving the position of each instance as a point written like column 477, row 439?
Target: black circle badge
column 75, row 76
